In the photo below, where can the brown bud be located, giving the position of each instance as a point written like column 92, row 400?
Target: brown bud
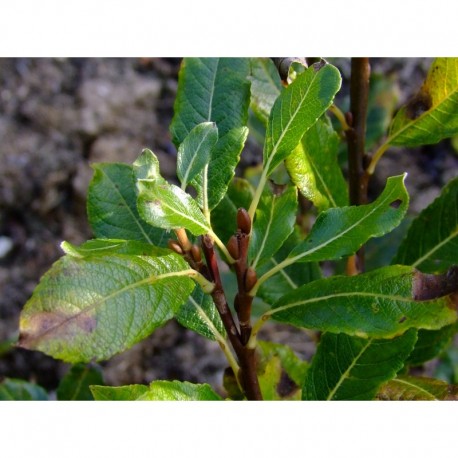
column 233, row 247
column 243, row 221
column 175, row 246
column 250, row 279
column 349, row 118
column 195, row 252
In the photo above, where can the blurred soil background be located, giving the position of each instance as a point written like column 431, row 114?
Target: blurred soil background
column 57, row 116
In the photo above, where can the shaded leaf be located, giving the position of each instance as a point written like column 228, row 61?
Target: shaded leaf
column 408, row 388
column 340, row 232
column 19, row 390
column 199, row 314
column 221, row 168
column 214, row 90
column 118, row 393
column 167, row 206
column 432, row 114
column 430, row 344
column 211, row 90
column 352, row 368
column 112, row 206
column 380, row 304
column 75, row 384
column 274, row 222
column 224, row 216
column 265, row 87
column 290, row 277
column 314, row 168
column 431, row 243
column 195, row 151
column 162, row 390
column 90, row 309
column 297, row 108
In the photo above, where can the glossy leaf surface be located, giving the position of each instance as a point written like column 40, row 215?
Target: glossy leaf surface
column 118, row 393
column 314, row 168
column 92, row 308
column 75, row 384
column 297, row 109
column 430, row 246
column 167, row 206
column 432, row 114
column 408, row 388
column 340, row 232
column 199, row 314
column 275, row 218
column 352, row 368
column 112, row 206
column 379, row 304
column 195, row 151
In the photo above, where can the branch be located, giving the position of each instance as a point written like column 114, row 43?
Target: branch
column 359, row 92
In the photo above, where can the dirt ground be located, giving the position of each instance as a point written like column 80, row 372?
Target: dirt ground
column 59, row 115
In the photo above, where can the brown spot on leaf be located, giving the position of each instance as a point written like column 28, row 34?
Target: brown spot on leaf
column 286, row 387
column 396, row 203
column 427, row 286
column 402, row 319
column 418, row 105
column 55, row 325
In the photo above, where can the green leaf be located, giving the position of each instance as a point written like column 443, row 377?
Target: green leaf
column 167, row 206
column 104, row 247
column 408, row 388
column 214, row 90
column 314, row 168
column 432, row 114
column 118, row 393
column 431, row 244
column 211, row 90
column 297, row 109
column 265, row 87
column 352, row 368
column 431, row 344
column 212, row 184
column 290, row 277
column 340, row 232
column 380, row 304
column 75, row 384
column 281, row 372
column 19, row 390
column 200, row 315
column 112, row 206
column 224, row 216
column 274, row 222
column 195, row 151
column 383, row 98
column 92, row 308
column 162, row 390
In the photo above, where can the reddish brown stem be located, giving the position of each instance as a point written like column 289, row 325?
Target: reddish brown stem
column 246, row 356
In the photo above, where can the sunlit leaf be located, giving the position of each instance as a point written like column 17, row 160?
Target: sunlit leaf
column 432, row 114
column 92, row 308
column 379, row 304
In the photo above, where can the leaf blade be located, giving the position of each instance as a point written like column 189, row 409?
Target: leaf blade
column 297, row 108
column 352, row 368
column 90, row 309
column 379, row 304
